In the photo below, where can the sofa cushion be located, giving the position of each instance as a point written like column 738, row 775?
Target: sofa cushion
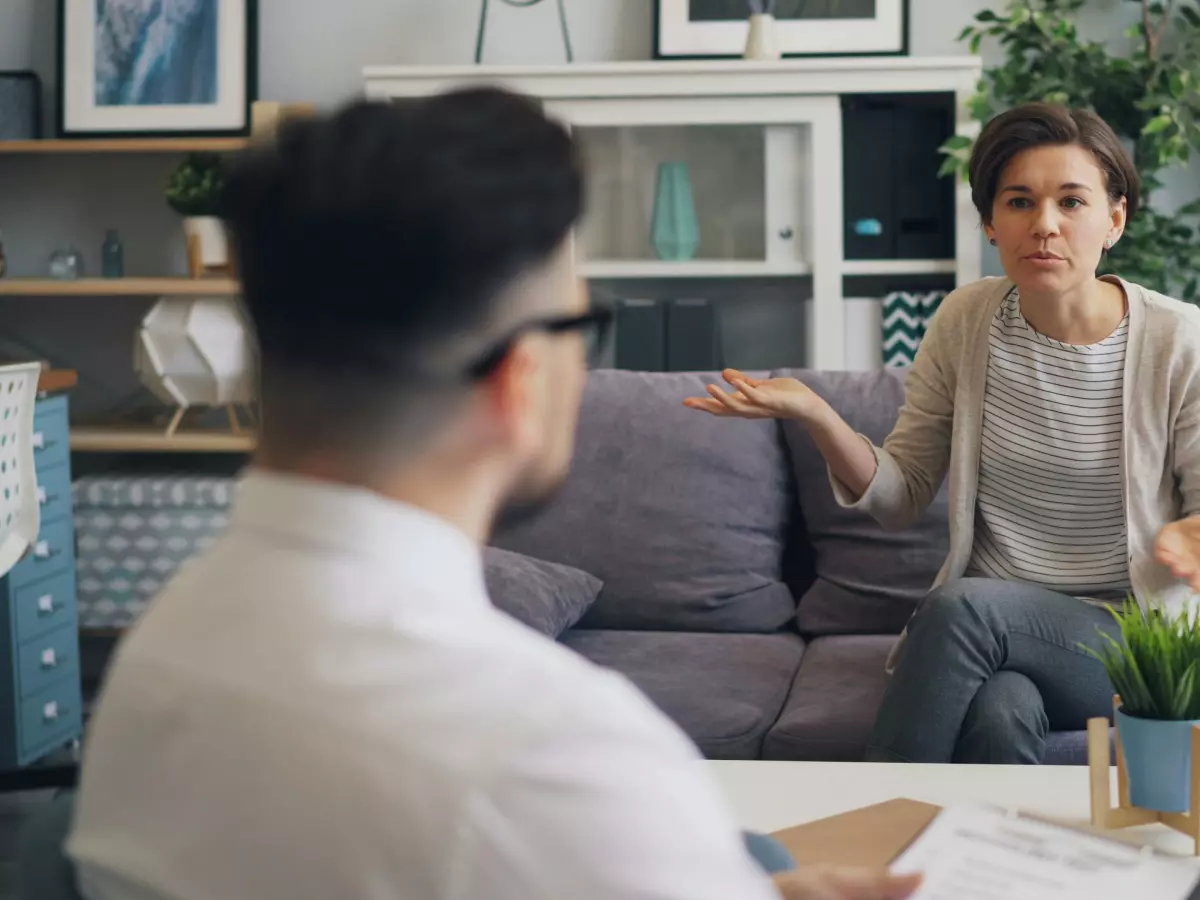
column 723, row 690
column 548, row 597
column 681, row 515
column 833, row 700
column 868, row 579
column 836, row 694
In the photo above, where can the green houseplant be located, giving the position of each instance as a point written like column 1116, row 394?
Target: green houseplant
column 1155, row 670
column 192, row 191
column 1149, row 94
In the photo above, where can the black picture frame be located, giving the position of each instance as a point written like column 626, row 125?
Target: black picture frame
column 67, row 119
column 734, row 52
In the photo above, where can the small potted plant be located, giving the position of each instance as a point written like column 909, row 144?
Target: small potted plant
column 1154, row 670
column 192, row 191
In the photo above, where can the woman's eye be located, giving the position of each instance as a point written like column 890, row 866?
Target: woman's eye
column 1019, row 202
column 1072, row 203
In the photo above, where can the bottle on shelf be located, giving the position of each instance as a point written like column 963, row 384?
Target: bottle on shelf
column 112, row 255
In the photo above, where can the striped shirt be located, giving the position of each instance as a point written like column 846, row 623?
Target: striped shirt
column 1050, row 509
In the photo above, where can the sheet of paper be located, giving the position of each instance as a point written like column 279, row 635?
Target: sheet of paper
column 981, row 853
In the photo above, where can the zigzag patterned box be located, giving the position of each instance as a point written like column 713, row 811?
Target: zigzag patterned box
column 133, row 533
column 905, row 317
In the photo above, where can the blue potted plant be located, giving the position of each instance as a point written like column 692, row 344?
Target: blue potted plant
column 1153, row 668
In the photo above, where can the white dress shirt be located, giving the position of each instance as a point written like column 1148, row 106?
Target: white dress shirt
column 326, row 705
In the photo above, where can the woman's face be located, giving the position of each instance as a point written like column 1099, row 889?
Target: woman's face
column 1051, row 218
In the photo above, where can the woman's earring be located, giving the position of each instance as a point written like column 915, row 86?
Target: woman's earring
column 1109, row 243
column 992, row 241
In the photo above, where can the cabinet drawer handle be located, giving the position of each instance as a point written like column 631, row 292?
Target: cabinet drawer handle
column 39, row 441
column 49, row 658
column 41, row 495
column 42, row 550
column 51, row 711
column 46, row 605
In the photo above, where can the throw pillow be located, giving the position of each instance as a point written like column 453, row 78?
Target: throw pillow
column 868, row 579
column 546, row 596
column 683, row 516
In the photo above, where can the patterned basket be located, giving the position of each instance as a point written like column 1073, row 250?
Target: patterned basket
column 905, row 317
column 133, row 534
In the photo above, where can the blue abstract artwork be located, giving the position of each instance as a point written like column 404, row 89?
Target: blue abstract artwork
column 156, row 52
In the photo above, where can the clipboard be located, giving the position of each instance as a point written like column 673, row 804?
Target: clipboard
column 875, row 836
column 871, row 836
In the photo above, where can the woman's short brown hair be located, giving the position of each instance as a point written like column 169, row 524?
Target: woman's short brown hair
column 1042, row 124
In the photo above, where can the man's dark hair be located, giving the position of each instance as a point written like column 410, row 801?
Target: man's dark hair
column 1042, row 124
column 369, row 241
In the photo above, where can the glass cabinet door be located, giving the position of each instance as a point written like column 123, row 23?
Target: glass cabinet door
column 701, row 188
column 693, row 187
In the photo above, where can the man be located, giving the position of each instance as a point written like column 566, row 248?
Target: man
column 326, row 705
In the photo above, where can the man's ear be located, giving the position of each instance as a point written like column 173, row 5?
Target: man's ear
column 509, row 391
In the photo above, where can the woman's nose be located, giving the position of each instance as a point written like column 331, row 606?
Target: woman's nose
column 1045, row 224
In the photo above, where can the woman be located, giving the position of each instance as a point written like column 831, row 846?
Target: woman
column 1065, row 409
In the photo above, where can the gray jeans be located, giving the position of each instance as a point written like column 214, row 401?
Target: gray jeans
column 990, row 667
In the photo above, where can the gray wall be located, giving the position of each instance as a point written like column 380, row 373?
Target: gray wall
column 310, row 50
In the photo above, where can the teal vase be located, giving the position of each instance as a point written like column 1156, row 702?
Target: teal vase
column 1158, row 757
column 675, row 232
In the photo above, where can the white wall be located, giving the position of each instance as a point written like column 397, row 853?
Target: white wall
column 315, row 49
column 310, row 50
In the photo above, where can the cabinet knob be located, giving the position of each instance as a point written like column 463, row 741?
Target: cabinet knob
column 42, row 549
column 41, row 495
column 45, row 603
column 786, row 232
column 38, row 440
column 50, row 711
column 49, row 658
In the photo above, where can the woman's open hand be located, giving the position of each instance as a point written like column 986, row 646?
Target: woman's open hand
column 1178, row 548
column 757, row 398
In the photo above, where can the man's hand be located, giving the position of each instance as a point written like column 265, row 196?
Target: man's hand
column 1178, row 548
column 841, row 883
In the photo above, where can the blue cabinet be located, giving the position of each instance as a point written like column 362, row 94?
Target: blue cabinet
column 40, row 693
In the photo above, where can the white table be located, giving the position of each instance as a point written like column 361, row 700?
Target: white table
column 769, row 796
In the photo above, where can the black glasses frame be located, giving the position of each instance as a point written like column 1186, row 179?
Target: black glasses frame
column 599, row 318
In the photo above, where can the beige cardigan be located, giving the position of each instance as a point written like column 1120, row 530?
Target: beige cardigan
column 938, row 430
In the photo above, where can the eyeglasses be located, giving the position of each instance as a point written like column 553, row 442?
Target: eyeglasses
column 594, row 325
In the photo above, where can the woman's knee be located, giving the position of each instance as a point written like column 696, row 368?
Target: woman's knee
column 1005, row 724
column 955, row 604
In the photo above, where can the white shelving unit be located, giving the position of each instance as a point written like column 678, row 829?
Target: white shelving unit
column 763, row 145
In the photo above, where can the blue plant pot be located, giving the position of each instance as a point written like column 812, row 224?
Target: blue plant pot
column 675, row 233
column 1158, row 761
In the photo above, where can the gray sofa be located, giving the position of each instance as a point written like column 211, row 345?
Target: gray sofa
column 732, row 589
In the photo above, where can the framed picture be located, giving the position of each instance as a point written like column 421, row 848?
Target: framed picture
column 701, row 29
column 129, row 68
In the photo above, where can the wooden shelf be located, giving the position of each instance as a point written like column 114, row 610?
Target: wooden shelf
column 125, row 145
column 117, row 287
column 899, row 267
column 695, row 268
column 155, row 440
column 54, row 380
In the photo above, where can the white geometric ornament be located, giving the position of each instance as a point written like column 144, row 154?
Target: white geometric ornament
column 197, row 351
